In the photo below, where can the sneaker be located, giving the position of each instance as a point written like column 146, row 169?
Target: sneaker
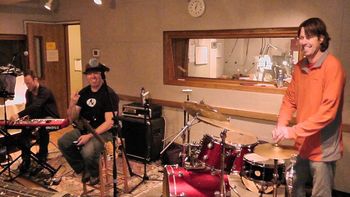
column 94, row 180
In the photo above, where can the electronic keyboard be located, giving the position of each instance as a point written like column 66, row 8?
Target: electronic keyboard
column 49, row 124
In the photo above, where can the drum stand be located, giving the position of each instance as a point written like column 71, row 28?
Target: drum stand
column 275, row 177
column 186, row 128
column 290, row 174
column 222, row 167
column 183, row 136
column 222, row 163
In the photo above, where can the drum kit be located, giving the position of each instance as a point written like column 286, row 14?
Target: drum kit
column 205, row 169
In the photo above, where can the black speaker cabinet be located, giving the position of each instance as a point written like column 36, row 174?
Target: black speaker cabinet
column 143, row 140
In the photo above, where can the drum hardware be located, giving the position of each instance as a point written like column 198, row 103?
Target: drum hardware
column 192, row 157
column 275, row 177
column 222, row 163
column 275, row 152
column 290, row 175
column 186, row 114
column 184, row 129
column 260, row 171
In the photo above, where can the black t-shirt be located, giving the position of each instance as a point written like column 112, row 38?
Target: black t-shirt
column 95, row 104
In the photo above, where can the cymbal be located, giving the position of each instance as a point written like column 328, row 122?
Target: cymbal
column 274, row 151
column 218, row 123
column 204, row 110
column 233, row 136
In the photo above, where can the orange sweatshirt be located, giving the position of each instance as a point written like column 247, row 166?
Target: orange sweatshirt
column 316, row 94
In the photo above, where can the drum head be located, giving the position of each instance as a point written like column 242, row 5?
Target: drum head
column 254, row 158
column 260, row 161
column 256, row 187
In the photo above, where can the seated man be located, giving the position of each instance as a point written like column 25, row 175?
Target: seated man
column 40, row 104
column 94, row 104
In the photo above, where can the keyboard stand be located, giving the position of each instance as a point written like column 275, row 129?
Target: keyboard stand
column 45, row 165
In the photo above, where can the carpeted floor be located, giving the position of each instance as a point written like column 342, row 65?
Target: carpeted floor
column 67, row 183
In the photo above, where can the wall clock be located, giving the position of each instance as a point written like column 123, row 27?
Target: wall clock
column 196, row 8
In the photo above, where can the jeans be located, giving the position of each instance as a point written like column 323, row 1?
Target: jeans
column 87, row 157
column 322, row 176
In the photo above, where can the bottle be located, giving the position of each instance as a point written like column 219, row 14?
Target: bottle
column 279, row 80
column 143, row 98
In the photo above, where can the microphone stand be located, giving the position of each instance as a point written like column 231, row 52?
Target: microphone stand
column 114, row 133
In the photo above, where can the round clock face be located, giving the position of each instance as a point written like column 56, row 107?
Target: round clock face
column 196, row 8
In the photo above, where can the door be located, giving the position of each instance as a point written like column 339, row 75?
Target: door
column 48, row 57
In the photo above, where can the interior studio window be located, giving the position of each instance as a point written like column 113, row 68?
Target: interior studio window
column 229, row 58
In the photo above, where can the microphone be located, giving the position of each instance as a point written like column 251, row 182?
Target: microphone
column 94, row 63
column 25, row 53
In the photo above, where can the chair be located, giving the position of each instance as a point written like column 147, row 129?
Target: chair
column 106, row 173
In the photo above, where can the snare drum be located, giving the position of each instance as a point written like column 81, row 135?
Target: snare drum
column 257, row 168
column 181, row 182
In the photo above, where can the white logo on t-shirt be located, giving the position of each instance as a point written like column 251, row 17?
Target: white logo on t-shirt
column 91, row 102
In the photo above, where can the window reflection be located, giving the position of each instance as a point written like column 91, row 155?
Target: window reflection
column 256, row 59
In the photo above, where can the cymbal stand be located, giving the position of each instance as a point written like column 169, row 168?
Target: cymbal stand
column 184, row 129
column 187, row 115
column 183, row 136
column 275, row 177
column 222, row 163
column 222, row 166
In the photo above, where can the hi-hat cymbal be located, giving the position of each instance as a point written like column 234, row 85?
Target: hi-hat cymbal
column 204, row 110
column 274, row 151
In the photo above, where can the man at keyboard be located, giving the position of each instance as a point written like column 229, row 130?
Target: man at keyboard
column 40, row 103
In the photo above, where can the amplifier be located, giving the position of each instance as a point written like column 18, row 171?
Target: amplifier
column 137, row 110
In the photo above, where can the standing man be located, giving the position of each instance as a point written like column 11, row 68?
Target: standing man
column 40, row 104
column 80, row 148
column 316, row 95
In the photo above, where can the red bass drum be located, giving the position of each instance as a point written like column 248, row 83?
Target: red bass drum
column 181, row 182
